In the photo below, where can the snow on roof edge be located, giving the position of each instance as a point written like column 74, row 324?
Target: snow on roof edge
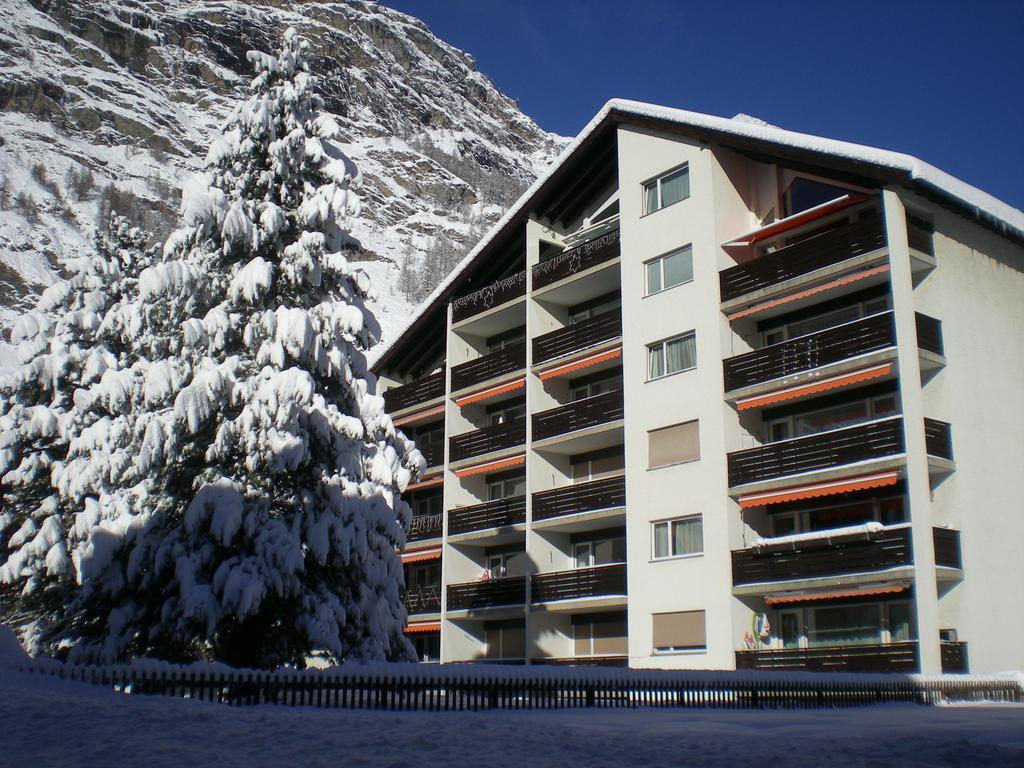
column 916, row 169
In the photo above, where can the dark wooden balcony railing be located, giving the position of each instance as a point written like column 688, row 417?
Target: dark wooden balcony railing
column 423, row 600
column 832, row 345
column 919, row 236
column 929, row 333
column 892, row 657
column 804, row 257
column 850, row 553
column 577, row 336
column 425, row 527
column 491, row 514
column 415, row 392
column 607, row 493
column 581, row 414
column 493, row 295
column 433, row 453
column 954, row 657
column 488, row 439
column 599, row 581
column 490, row 366
column 487, row 594
column 822, row 451
column 937, row 439
column 947, row 547
column 575, row 260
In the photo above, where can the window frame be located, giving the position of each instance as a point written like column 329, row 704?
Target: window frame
column 653, row 467
column 658, row 181
column 662, row 344
column 669, row 522
column 660, row 260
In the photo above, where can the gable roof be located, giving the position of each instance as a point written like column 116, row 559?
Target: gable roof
column 749, row 137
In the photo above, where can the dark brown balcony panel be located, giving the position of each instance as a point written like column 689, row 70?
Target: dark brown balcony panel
column 491, row 514
column 954, row 657
column 486, row 440
column 583, row 661
column 425, row 527
column 575, row 260
column 493, row 295
column 589, row 412
column 423, row 600
column 919, row 235
column 487, row 594
column 489, row 366
column 415, row 392
column 600, row 581
column 937, row 439
column 606, row 493
column 804, row 257
column 929, row 333
column 432, row 454
column 578, row 336
column 947, row 547
column 893, row 657
column 835, row 448
column 833, row 345
column 851, row 553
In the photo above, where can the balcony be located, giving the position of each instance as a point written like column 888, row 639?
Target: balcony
column 576, row 260
column 588, row 412
column 827, row 556
column 937, row 439
column 599, row 581
column 607, row 493
column 433, row 454
column 815, row 350
column 891, row 657
column 416, row 392
column 954, row 657
column 487, row 440
column 488, row 367
column 488, row 297
column 499, row 513
column 494, row 593
column 423, row 600
column 818, row 252
column 947, row 548
column 929, row 334
column 837, row 447
column 425, row 527
column 576, row 337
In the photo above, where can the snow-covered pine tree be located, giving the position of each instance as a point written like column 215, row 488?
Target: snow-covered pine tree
column 275, row 475
column 69, row 352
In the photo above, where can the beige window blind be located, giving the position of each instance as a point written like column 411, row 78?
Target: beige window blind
column 671, row 445
column 684, row 629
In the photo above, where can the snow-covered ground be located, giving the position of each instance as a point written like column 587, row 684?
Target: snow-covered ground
column 48, row 722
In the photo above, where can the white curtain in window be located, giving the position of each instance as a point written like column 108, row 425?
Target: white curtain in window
column 661, row 540
column 678, row 267
column 687, row 536
column 654, row 276
column 651, row 193
column 656, row 361
column 675, row 187
column 681, row 353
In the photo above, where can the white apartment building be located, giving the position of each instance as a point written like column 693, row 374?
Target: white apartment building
column 718, row 395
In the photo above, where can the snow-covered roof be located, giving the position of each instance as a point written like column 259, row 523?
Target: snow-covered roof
column 994, row 212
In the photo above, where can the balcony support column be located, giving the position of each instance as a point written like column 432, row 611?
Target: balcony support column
column 918, row 482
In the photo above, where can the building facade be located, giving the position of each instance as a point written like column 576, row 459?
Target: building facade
column 715, row 395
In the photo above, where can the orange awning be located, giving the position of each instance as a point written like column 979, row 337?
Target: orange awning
column 421, row 555
column 429, row 482
column 491, row 466
column 583, row 362
column 863, row 482
column 835, row 595
column 810, row 291
column 810, row 388
column 776, row 228
column 487, row 394
column 420, row 415
column 422, row 626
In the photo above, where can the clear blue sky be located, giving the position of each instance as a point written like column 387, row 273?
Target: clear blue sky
column 941, row 80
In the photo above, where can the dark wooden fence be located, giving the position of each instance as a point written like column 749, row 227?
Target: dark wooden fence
column 937, row 439
column 599, row 581
column 486, row 440
column 421, row 390
column 581, row 335
column 512, row 358
column 929, row 333
column 490, row 296
column 575, row 260
column 606, row 493
column 589, row 412
column 478, row 687
column 498, row 513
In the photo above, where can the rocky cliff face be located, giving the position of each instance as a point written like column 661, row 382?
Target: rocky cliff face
column 110, row 103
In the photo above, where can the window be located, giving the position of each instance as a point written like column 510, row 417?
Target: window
column 675, row 538
column 498, row 565
column 681, row 631
column 600, row 635
column 888, row 511
column 669, row 270
column 844, row 625
column 428, row 646
column 591, row 386
column 599, row 549
column 504, row 640
column 803, row 193
column 607, row 462
column 427, row 504
column 505, row 340
column 829, row 319
column 506, row 413
column 673, row 445
column 666, row 189
column 591, row 309
column 672, row 356
column 834, row 417
column 506, row 487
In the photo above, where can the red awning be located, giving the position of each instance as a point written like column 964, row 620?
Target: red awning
column 419, row 415
column 491, row 466
column 836, row 594
column 580, row 363
column 777, row 228
column 811, row 388
column 810, row 291
column 422, row 626
column 428, row 482
column 487, row 394
column 421, row 555
column 814, row 490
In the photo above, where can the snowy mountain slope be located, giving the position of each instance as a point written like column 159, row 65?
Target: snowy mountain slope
column 107, row 104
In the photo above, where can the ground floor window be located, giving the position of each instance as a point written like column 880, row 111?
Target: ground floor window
column 847, row 624
column 504, row 639
column 428, row 646
column 600, row 634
